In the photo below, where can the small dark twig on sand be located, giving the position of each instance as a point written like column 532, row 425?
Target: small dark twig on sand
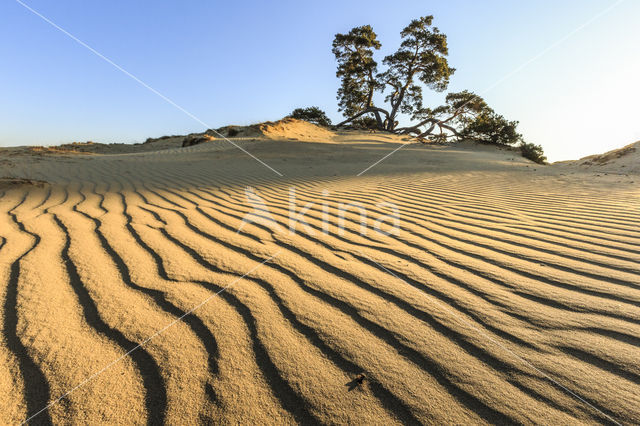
column 355, row 382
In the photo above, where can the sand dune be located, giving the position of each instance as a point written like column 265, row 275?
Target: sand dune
column 510, row 294
column 623, row 160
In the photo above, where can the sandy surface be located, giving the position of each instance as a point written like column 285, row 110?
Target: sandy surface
column 510, row 293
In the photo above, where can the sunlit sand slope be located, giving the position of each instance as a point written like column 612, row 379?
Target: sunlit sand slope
column 509, row 294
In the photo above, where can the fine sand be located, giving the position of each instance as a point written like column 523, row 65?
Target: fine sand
column 509, row 294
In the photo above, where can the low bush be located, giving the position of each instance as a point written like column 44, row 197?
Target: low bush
column 533, row 152
column 312, row 114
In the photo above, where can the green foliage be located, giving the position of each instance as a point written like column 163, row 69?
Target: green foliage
column 460, row 109
column 312, row 114
column 356, row 68
column 419, row 61
column 490, row 127
column 466, row 115
column 465, row 107
column 533, row 152
column 422, row 56
column 368, row 123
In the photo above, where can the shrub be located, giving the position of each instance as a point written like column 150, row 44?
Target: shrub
column 312, row 114
column 368, row 123
column 195, row 139
column 232, row 132
column 489, row 127
column 533, row 152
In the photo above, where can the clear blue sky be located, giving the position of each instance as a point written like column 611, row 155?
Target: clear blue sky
column 244, row 62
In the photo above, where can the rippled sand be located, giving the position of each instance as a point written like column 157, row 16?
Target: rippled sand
column 510, row 293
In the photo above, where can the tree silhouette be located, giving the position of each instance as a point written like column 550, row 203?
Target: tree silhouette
column 312, row 114
column 420, row 58
column 357, row 70
column 419, row 62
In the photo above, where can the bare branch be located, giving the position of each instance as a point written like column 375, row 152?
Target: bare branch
column 368, row 110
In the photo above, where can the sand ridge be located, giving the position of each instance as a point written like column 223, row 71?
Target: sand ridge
column 495, row 257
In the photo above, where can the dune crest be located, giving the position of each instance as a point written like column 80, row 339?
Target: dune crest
column 621, row 160
column 291, row 128
column 502, row 274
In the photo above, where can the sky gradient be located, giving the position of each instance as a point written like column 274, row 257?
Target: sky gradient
column 241, row 63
